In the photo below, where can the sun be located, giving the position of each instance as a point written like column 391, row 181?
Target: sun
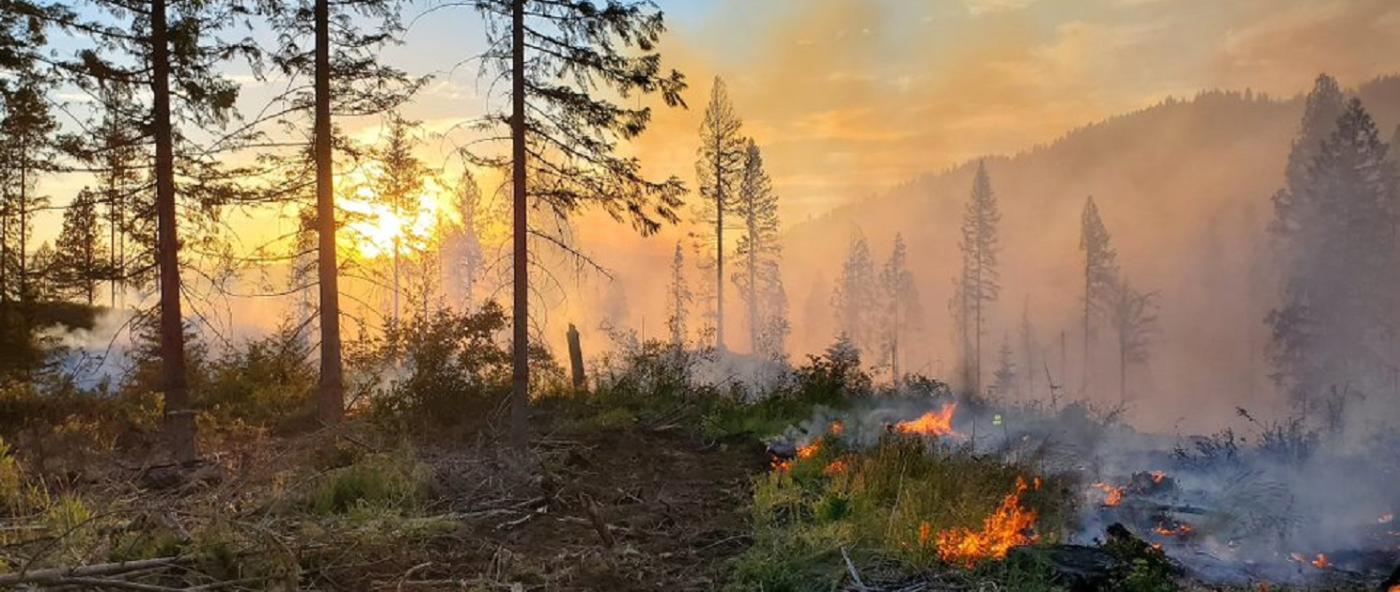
column 375, row 228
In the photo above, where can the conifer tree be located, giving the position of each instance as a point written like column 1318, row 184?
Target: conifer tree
column 27, row 148
column 900, row 299
column 1100, row 274
column 758, row 251
column 567, row 61
column 856, row 297
column 1334, row 234
column 1005, row 377
column 168, row 55
column 1029, row 348
column 720, row 169
column 979, row 285
column 678, row 298
column 80, row 261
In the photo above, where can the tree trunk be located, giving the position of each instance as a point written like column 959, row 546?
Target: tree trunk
column 1122, row 373
column 23, row 255
column 1088, row 295
column 754, row 324
column 520, row 393
column 719, row 244
column 4, row 247
column 331, row 402
column 179, row 418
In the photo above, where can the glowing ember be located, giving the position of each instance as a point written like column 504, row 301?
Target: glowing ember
column 1113, row 494
column 837, row 467
column 1004, row 530
column 933, row 423
column 809, row 451
column 1158, row 476
column 1321, row 562
column 1385, row 518
column 836, row 428
column 1181, row 530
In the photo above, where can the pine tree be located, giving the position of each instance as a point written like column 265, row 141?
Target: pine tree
column 27, row 151
column 1133, row 316
column 119, row 157
column 172, row 50
column 856, row 297
column 901, row 308
column 720, row 169
column 564, row 66
column 348, row 79
column 1005, row 376
column 772, row 338
column 1029, row 348
column 1100, row 274
column 462, row 249
column 81, row 262
column 678, row 298
column 1334, row 232
column 757, row 250
column 979, row 286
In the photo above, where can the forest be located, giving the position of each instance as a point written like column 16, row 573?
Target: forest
column 354, row 295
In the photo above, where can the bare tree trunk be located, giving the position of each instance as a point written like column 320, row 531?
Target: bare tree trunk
column 23, row 255
column 520, row 393
column 753, row 284
column 4, row 247
column 719, row 245
column 331, row 403
column 179, row 417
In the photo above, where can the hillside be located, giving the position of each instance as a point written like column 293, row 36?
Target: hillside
column 1184, row 188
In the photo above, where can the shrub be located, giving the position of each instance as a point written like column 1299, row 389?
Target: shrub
column 376, row 482
column 264, row 383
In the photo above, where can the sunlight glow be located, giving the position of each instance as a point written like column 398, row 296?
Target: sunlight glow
column 376, row 228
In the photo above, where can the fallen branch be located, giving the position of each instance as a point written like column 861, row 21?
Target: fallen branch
column 855, row 575
column 106, row 584
column 86, row 571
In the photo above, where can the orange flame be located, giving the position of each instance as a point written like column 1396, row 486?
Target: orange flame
column 1158, row 476
column 836, row 428
column 1113, row 494
column 809, row 451
column 1005, row 529
column 837, row 467
column 933, row 423
column 1181, row 530
column 1321, row 562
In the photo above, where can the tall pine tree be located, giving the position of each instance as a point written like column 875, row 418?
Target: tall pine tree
column 902, row 311
column 1100, row 274
column 856, row 298
column 979, row 284
column 568, row 62
column 720, row 169
column 757, row 250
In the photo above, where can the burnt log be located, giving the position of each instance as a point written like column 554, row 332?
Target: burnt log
column 1077, row 568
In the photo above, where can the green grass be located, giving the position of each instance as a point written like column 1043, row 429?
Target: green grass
column 876, row 503
column 380, row 482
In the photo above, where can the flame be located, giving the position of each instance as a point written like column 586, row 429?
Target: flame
column 933, row 423
column 1181, row 530
column 1321, row 562
column 837, row 467
column 1113, row 494
column 1158, row 476
column 803, row 453
column 1005, row 529
column 1385, row 518
column 836, row 428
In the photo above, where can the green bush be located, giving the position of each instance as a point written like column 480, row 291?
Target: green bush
column 380, row 482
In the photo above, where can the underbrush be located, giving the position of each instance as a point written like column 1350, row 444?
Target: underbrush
column 887, row 505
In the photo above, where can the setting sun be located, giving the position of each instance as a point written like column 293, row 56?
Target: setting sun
column 375, row 228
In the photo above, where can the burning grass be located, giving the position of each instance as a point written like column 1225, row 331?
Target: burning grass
column 910, row 502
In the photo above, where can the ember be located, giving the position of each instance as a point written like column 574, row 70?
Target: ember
column 1321, row 562
column 837, row 467
column 1004, row 530
column 1158, row 476
column 1113, row 495
column 836, row 428
column 1181, row 530
column 933, row 423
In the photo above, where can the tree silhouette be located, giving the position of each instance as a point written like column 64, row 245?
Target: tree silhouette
column 720, row 169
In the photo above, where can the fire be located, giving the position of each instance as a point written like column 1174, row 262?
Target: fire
column 1321, row 562
column 803, row 453
column 836, row 428
column 1181, row 530
column 837, row 467
column 1005, row 529
column 933, row 423
column 1158, row 476
column 1113, row 494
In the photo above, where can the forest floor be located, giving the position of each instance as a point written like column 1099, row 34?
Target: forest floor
column 592, row 505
